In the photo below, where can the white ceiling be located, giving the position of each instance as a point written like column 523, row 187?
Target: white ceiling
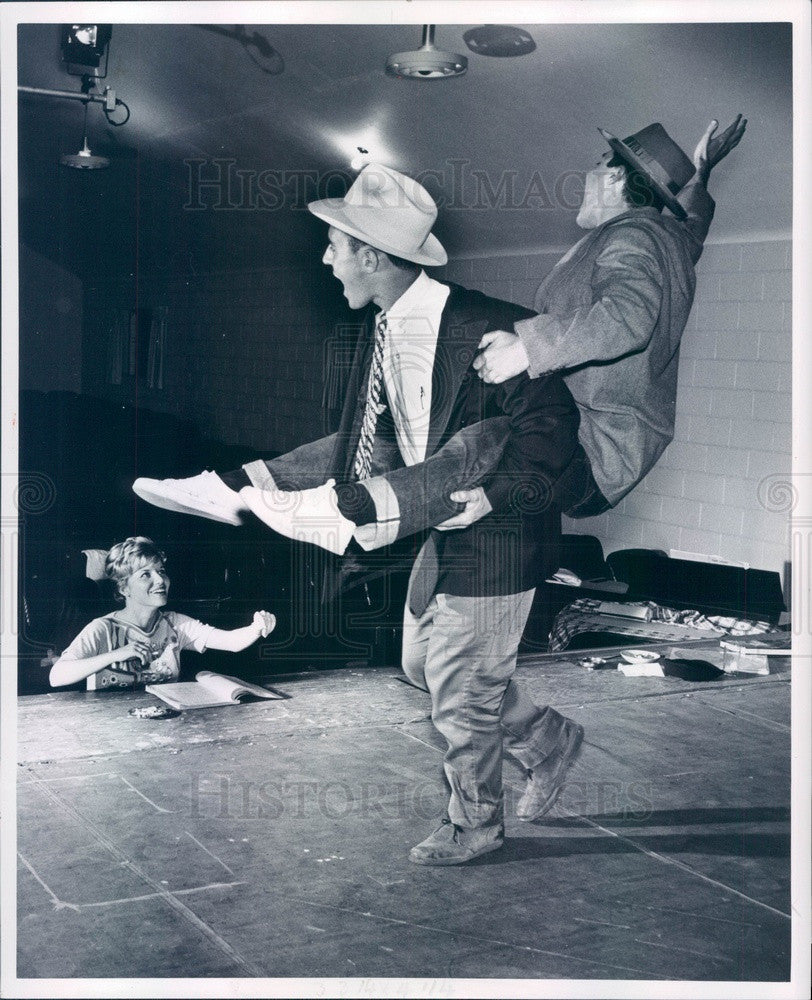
column 529, row 122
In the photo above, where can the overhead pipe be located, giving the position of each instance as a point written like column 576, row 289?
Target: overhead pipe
column 108, row 98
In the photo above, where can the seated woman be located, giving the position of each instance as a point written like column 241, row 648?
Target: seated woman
column 141, row 643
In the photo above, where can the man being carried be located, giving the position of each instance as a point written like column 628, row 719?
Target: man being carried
column 610, row 317
column 612, row 312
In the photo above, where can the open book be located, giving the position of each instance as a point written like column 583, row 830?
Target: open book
column 208, row 690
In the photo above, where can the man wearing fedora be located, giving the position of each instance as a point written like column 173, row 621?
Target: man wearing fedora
column 412, row 387
column 610, row 317
column 611, row 314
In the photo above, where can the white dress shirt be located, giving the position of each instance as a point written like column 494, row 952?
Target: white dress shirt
column 413, row 323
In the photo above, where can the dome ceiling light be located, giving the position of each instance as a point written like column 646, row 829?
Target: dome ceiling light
column 427, row 62
column 499, row 40
column 84, row 159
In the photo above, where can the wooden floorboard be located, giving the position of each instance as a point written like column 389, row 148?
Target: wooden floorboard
column 272, row 839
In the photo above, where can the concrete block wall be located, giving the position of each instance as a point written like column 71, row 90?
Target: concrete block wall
column 716, row 489
column 246, row 351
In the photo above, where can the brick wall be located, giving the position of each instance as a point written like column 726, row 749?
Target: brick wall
column 710, row 491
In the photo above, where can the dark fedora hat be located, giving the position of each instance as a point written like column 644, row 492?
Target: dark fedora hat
column 653, row 153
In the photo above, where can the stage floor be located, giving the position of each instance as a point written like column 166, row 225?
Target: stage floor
column 271, row 839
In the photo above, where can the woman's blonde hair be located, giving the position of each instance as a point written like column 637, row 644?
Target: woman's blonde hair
column 124, row 558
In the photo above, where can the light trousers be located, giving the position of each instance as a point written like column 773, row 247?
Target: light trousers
column 463, row 651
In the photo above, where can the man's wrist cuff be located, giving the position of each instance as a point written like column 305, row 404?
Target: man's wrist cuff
column 383, row 530
column 533, row 369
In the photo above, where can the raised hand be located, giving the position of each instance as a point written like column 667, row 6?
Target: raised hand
column 713, row 148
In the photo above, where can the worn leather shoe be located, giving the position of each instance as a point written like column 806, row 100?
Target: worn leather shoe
column 454, row 845
column 546, row 780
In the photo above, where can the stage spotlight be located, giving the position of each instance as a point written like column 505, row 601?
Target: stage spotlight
column 84, row 48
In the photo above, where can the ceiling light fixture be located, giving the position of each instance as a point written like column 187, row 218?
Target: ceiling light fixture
column 427, row 62
column 84, row 159
column 499, row 40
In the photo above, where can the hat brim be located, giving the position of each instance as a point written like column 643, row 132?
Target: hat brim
column 622, row 150
column 332, row 211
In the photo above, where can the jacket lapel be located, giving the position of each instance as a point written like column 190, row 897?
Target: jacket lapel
column 352, row 416
column 457, row 341
column 460, row 331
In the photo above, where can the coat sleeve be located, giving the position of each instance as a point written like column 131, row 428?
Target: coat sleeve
column 700, row 207
column 542, row 439
column 626, row 284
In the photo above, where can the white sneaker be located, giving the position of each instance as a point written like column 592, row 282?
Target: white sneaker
column 303, row 515
column 205, row 495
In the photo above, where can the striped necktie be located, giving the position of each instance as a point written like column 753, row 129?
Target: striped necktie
column 363, row 456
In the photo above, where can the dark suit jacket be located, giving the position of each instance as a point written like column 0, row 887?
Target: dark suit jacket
column 516, row 546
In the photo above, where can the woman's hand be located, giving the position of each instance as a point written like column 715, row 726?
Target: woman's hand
column 264, row 623
column 135, row 650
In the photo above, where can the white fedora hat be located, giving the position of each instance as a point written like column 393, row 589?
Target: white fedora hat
column 389, row 211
